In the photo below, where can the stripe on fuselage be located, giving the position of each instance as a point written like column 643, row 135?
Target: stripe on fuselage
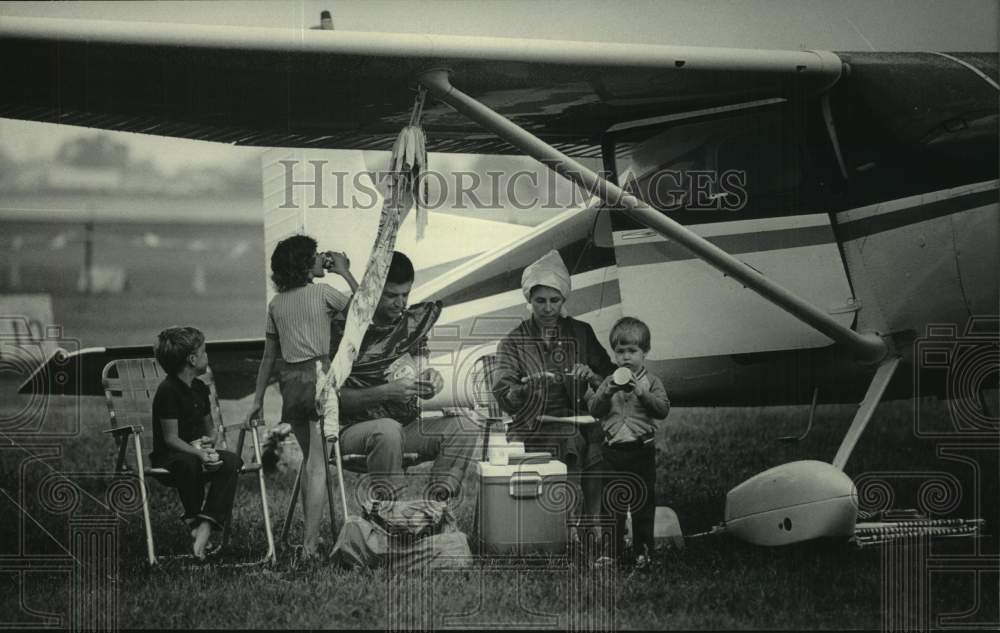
column 636, row 248
column 894, row 214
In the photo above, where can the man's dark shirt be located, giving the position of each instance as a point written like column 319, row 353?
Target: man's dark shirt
column 187, row 405
column 383, row 344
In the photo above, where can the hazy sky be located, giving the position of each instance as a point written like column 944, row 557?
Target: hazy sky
column 825, row 24
column 946, row 25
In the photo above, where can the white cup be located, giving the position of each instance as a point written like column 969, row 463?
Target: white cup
column 497, row 443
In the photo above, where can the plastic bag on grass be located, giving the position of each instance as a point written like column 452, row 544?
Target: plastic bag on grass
column 405, row 536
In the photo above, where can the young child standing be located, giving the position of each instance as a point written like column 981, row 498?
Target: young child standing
column 181, row 415
column 628, row 403
column 298, row 329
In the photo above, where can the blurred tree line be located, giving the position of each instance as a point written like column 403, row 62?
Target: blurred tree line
column 102, row 162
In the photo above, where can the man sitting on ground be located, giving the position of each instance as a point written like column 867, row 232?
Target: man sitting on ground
column 379, row 406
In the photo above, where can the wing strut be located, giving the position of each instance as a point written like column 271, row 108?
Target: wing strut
column 868, row 348
column 873, row 396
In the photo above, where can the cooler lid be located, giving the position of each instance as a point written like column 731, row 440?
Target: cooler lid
column 529, row 458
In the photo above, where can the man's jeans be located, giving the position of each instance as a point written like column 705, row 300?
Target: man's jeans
column 453, row 442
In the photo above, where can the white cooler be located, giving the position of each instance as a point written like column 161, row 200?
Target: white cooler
column 523, row 505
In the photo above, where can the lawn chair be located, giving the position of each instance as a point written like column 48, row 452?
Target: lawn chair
column 353, row 462
column 486, row 408
column 129, row 387
column 486, row 405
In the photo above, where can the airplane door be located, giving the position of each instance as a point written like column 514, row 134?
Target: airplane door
column 739, row 176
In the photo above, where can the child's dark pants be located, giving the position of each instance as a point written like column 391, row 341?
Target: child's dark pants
column 631, row 475
column 188, row 476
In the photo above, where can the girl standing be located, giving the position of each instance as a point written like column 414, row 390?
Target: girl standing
column 298, row 330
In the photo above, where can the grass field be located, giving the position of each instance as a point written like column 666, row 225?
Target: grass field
column 714, row 582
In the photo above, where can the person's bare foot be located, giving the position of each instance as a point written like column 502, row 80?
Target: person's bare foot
column 200, row 535
column 310, row 554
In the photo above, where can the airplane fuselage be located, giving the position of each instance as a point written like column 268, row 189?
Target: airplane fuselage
column 876, row 201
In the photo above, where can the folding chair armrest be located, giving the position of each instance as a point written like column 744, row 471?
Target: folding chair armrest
column 243, row 426
column 124, row 430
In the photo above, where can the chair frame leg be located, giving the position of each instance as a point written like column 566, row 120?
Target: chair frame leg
column 229, row 518
column 150, row 548
column 290, row 512
column 120, row 466
column 271, row 556
column 329, row 488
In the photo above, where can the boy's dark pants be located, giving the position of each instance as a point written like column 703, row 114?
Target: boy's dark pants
column 631, row 465
column 187, row 475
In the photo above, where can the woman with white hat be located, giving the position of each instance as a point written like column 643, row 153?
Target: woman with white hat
column 544, row 367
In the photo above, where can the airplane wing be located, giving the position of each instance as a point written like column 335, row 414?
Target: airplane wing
column 353, row 90
column 438, row 252
column 491, row 272
column 234, row 364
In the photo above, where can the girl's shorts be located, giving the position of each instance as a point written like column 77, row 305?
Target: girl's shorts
column 298, row 390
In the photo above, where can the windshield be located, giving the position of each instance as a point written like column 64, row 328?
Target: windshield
column 746, row 158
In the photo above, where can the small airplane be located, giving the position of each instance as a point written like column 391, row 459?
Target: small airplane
column 843, row 209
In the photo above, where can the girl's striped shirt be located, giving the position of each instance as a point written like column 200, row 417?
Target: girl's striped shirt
column 300, row 318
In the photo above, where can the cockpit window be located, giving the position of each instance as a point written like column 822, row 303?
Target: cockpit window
column 741, row 161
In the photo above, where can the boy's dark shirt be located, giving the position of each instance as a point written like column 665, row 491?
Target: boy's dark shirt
column 187, row 405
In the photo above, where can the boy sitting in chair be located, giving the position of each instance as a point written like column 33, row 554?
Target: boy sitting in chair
column 183, row 437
